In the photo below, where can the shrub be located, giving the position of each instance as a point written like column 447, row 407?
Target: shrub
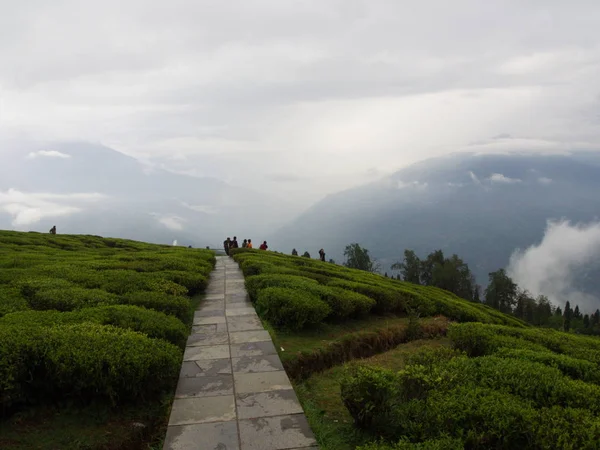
column 445, row 443
column 578, row 369
column 71, row 298
column 258, row 282
column 252, row 267
column 179, row 307
column 11, row 300
column 193, row 282
column 346, row 303
column 152, row 323
column 291, row 308
column 83, row 362
column 386, row 299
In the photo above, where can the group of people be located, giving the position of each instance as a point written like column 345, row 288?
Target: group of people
column 229, row 244
column 307, row 255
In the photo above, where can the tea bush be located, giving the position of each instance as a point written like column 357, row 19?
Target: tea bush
column 88, row 319
column 83, row 362
column 289, row 308
column 152, row 323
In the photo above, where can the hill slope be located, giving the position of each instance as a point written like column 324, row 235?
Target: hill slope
column 481, row 207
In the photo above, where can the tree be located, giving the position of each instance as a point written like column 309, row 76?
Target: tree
column 501, row 292
column 567, row 316
column 428, row 266
column 577, row 313
column 359, row 258
column 410, row 268
column 586, row 321
column 558, row 311
column 477, row 293
column 544, row 310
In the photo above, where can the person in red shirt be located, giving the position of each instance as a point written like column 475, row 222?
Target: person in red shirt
column 264, row 246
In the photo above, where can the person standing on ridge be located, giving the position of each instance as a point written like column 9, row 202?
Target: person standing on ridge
column 264, row 246
column 234, row 243
column 249, row 243
column 294, row 252
column 322, row 255
column 245, row 243
column 227, row 245
column 53, row 230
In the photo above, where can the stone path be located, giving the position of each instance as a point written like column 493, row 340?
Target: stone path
column 233, row 393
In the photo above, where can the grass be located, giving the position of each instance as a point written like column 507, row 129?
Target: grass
column 322, row 403
column 313, row 339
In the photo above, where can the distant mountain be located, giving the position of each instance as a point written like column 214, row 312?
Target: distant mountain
column 481, row 207
column 137, row 201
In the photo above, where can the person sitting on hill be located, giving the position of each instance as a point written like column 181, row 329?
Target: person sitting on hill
column 234, row 242
column 249, row 243
column 245, row 243
column 53, row 230
column 322, row 255
column 306, row 255
column 264, row 246
column 294, row 252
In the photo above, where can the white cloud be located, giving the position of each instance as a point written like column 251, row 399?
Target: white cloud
column 30, row 208
column 544, row 180
column 411, row 185
column 207, row 209
column 474, row 178
column 172, row 222
column 499, row 178
column 548, row 268
column 48, row 154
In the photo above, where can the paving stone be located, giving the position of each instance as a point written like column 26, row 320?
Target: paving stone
column 244, row 323
column 240, row 311
column 236, row 289
column 209, row 297
column 186, row 411
column 204, row 329
column 205, row 312
column 207, row 339
column 210, row 367
column 241, row 337
column 246, row 383
column 208, row 320
column 217, row 435
column 206, row 352
column 276, row 433
column 253, row 349
column 204, row 386
column 234, row 298
column 253, row 364
column 267, row 404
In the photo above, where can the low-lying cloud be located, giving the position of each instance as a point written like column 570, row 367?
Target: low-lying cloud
column 48, row 154
column 550, row 267
column 27, row 208
column 500, row 178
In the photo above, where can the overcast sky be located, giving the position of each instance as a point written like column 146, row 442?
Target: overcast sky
column 301, row 97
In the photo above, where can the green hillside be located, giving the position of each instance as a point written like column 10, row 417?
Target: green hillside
column 91, row 337
column 383, row 364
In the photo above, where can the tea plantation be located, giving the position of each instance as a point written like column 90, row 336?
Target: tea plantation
column 91, row 337
column 381, row 364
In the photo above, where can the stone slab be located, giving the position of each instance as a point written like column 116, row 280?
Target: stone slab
column 213, row 328
column 232, row 311
column 254, row 364
column 209, row 297
column 276, row 433
column 217, row 435
column 244, row 323
column 207, row 368
column 187, row 411
column 204, row 386
column 267, row 404
column 206, row 352
column 217, row 312
column 208, row 320
column 253, row 349
column 246, row 383
column 207, row 339
column 241, row 337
